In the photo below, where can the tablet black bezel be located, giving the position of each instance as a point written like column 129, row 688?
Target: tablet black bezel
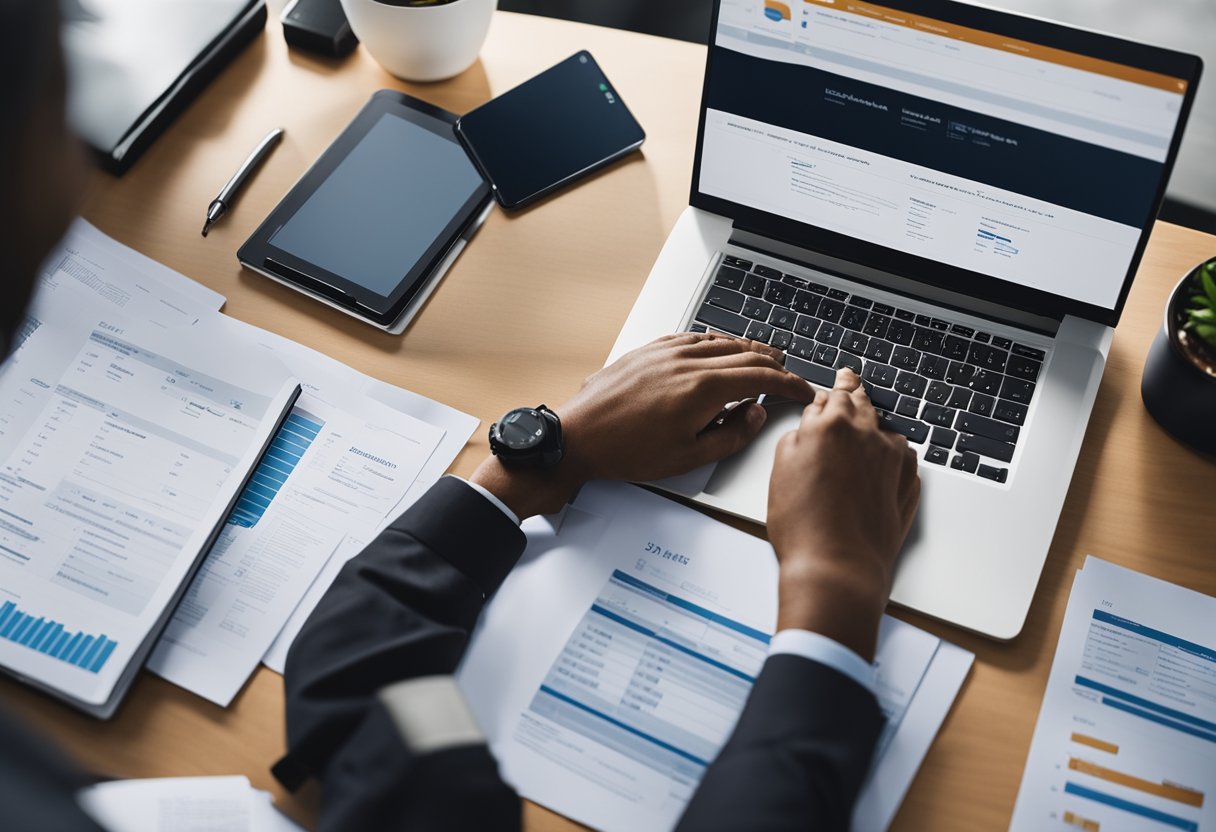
column 260, row 255
column 941, row 275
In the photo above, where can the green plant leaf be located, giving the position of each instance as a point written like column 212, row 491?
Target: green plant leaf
column 1202, row 300
column 1202, row 314
column 1207, row 332
column 1209, row 285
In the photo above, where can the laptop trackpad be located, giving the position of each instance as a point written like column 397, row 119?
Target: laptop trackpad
column 742, row 479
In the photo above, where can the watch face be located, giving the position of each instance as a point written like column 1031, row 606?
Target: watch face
column 521, row 429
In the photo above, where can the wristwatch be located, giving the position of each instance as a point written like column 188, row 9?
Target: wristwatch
column 528, row 437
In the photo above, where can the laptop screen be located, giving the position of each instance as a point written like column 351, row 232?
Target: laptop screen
column 1024, row 155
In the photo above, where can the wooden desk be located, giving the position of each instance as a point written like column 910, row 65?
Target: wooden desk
column 530, row 309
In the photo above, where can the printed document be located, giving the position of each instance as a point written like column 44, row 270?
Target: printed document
column 328, row 473
column 183, row 804
column 121, row 449
column 1126, row 737
column 612, row 665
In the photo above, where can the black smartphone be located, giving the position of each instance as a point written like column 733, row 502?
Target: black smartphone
column 549, row 131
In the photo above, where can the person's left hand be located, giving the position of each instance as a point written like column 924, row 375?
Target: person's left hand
column 648, row 416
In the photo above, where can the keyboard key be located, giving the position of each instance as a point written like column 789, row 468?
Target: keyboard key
column 937, row 415
column 753, row 285
column 904, row 315
column 806, row 326
column 780, row 339
column 937, row 456
column 851, row 361
column 1011, row 412
column 984, row 381
column 817, row 288
column 990, row 472
column 916, row 431
column 829, row 334
column 728, row 277
column 795, row 281
column 732, row 260
column 779, row 293
column 698, row 328
column 983, row 337
column 922, row 320
column 926, row 340
column 814, row 373
column 1028, row 352
column 876, row 325
column 864, row 303
column 943, row 437
column 965, row 462
column 938, row 392
column 884, row 309
column 1002, row 343
column 955, row 348
column 725, row 298
column 986, row 447
column 783, row 318
column 837, row 294
column 879, row 350
column 801, row 347
column 906, row 358
column 759, row 332
column 722, row 319
column 983, row 426
column 882, row 398
column 805, row 303
column 965, row 331
column 767, row 271
column 854, row 342
column 933, row 366
column 910, row 384
column 881, row 375
column 1017, row 390
column 901, row 332
column 981, row 404
column 831, row 310
column 986, row 357
column 854, row 318
column 939, row 324
column 1023, row 368
column 756, row 309
column 960, row 373
column 960, row 397
column 907, row 406
column 825, row 355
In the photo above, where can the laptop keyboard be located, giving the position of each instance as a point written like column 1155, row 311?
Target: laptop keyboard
column 960, row 393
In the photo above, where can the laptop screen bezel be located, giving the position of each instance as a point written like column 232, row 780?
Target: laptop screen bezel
column 931, row 272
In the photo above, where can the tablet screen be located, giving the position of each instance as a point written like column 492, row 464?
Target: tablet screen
column 383, row 206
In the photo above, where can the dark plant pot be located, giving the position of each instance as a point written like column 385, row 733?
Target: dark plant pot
column 1179, row 383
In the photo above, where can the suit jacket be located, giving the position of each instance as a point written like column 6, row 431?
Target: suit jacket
column 37, row 786
column 405, row 608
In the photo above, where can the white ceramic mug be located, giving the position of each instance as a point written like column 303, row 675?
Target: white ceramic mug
column 422, row 43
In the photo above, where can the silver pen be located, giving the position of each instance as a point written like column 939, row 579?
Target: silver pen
column 222, row 202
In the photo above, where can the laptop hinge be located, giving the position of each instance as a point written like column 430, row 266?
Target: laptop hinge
column 892, row 282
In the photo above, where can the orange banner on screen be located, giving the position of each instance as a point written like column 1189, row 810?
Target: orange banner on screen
column 1019, row 47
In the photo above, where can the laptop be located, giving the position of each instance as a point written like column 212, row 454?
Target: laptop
column 953, row 201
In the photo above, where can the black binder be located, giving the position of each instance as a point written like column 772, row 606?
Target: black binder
column 107, row 102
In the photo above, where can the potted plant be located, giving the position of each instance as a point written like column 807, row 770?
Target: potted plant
column 1179, row 383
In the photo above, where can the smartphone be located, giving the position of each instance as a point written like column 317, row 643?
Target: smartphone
column 549, row 131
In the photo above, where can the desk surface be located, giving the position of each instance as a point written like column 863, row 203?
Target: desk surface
column 483, row 345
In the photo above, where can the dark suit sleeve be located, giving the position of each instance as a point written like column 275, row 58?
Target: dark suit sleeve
column 402, row 609
column 797, row 757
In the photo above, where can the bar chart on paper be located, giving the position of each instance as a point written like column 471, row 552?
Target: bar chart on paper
column 1130, row 739
column 88, row 652
column 288, row 447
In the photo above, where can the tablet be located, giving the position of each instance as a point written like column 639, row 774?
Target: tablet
column 374, row 224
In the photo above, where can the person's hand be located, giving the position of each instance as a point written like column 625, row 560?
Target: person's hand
column 648, row 416
column 841, row 501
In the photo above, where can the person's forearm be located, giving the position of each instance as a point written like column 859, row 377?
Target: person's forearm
column 843, row 604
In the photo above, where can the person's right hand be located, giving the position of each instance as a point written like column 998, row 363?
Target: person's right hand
column 841, row 501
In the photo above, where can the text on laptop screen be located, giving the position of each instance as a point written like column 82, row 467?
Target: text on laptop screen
column 1022, row 162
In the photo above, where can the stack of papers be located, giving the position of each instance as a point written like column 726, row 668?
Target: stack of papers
column 183, row 804
column 1126, row 738
column 613, row 663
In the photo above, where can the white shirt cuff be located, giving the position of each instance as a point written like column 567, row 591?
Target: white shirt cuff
column 820, row 648
column 497, row 503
